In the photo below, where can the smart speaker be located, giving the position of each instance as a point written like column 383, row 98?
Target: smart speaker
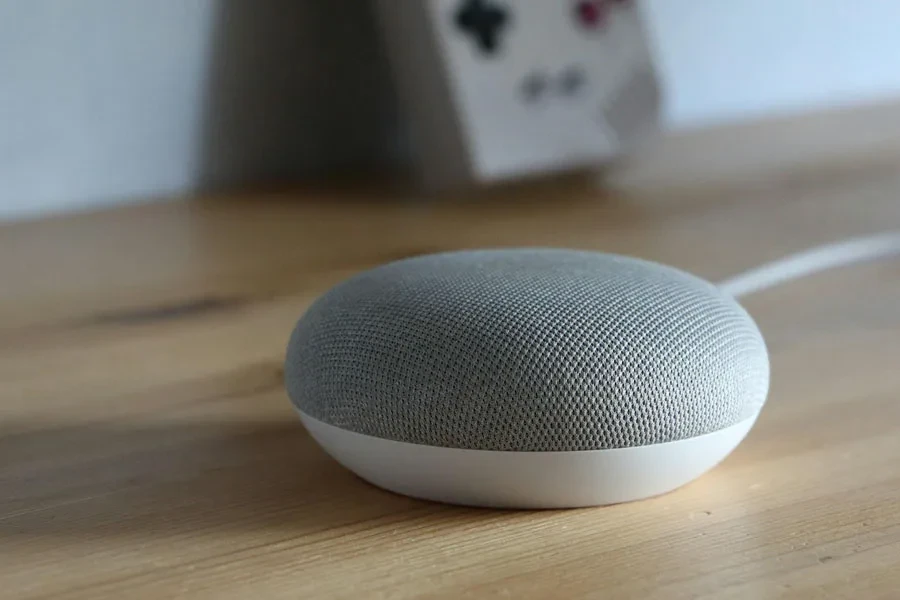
column 527, row 378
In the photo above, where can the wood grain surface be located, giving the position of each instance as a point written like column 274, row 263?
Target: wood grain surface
column 148, row 450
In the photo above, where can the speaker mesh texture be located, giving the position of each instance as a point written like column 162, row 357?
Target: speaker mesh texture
column 527, row 350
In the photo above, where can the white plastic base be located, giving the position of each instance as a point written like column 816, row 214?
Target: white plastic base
column 526, row 479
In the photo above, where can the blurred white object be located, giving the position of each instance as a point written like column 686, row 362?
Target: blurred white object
column 812, row 261
column 497, row 90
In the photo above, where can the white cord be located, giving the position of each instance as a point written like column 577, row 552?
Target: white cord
column 812, row 261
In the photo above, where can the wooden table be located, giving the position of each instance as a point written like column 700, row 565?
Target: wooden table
column 148, row 450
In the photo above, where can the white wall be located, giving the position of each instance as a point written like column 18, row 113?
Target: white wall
column 741, row 59
column 100, row 100
column 104, row 101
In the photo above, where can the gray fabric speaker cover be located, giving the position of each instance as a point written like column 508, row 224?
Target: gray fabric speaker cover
column 527, row 350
